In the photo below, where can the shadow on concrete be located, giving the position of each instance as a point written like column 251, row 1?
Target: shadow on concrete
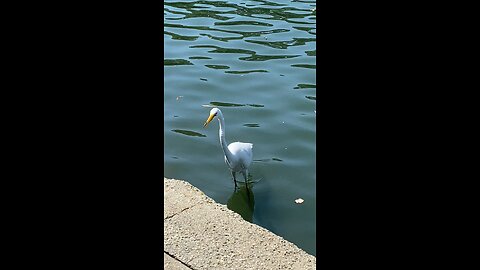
column 242, row 202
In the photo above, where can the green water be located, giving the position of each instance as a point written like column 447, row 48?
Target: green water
column 256, row 61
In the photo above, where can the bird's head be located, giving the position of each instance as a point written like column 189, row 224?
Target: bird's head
column 214, row 112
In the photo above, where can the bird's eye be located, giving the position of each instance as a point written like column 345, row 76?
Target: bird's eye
column 215, row 114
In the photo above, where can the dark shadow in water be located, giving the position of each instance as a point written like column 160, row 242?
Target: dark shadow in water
column 242, row 202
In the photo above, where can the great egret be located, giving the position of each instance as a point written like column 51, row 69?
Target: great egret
column 238, row 155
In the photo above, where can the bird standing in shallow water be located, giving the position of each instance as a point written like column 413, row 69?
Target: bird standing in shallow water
column 238, row 155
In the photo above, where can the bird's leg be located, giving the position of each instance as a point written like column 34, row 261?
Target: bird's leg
column 245, row 175
column 234, row 179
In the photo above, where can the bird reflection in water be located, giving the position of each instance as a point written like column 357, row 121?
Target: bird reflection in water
column 242, row 202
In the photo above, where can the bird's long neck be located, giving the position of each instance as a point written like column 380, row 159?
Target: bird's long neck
column 223, row 142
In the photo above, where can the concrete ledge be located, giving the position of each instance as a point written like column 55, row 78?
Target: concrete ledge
column 171, row 263
column 202, row 234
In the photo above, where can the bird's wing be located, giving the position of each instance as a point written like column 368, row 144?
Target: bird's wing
column 242, row 151
column 239, row 146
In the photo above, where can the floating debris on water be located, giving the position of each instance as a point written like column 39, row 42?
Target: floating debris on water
column 299, row 200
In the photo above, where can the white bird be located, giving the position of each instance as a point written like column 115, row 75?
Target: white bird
column 238, row 155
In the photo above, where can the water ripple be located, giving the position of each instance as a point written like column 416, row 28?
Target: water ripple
column 257, row 57
column 188, row 133
column 180, row 37
column 228, row 104
column 245, row 71
column 217, row 66
column 176, row 62
column 305, row 66
column 305, row 86
column 243, row 23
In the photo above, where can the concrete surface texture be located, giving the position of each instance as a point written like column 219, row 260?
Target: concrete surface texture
column 202, row 234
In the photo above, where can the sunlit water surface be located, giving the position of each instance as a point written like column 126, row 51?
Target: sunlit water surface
column 256, row 61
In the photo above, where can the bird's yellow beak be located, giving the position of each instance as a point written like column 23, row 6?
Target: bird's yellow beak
column 209, row 119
